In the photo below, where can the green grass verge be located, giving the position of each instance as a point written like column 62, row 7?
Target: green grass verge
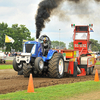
column 8, row 60
column 97, row 63
column 11, row 66
column 57, row 92
column 6, row 66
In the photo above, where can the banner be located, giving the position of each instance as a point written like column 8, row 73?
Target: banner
column 8, row 39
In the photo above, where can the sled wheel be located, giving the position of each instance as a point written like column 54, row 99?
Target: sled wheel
column 87, row 72
column 90, row 70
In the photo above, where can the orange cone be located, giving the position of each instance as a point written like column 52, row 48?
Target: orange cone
column 30, row 84
column 96, row 76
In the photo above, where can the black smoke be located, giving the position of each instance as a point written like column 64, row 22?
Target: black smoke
column 43, row 13
column 76, row 1
column 97, row 0
column 46, row 7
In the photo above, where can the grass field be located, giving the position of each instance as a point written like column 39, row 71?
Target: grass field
column 6, row 67
column 97, row 63
column 8, row 60
column 57, row 92
column 11, row 67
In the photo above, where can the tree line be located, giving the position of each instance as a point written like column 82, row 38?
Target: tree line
column 17, row 32
column 21, row 32
column 95, row 45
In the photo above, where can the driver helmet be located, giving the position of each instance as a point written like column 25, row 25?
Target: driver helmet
column 45, row 39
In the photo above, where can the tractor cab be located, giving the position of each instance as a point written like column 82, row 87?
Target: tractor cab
column 32, row 47
column 46, row 44
column 81, row 38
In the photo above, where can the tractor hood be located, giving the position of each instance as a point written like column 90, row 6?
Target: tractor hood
column 31, row 47
column 28, row 46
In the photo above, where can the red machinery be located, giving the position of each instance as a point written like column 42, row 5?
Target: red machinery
column 79, row 62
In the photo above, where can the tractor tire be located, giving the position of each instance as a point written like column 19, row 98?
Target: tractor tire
column 75, row 69
column 39, row 64
column 17, row 67
column 35, row 73
column 20, row 72
column 26, row 70
column 56, row 66
column 87, row 72
column 4, row 61
column 90, row 70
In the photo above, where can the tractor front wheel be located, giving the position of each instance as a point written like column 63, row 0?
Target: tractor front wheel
column 26, row 70
column 56, row 66
column 16, row 66
column 39, row 64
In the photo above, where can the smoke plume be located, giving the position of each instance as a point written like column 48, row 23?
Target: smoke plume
column 97, row 0
column 76, row 1
column 47, row 8
column 43, row 13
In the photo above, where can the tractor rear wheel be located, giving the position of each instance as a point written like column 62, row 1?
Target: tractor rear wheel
column 56, row 66
column 4, row 61
column 17, row 67
column 26, row 70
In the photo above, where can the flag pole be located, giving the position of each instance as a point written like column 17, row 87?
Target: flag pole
column 4, row 43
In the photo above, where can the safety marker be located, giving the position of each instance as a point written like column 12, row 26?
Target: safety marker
column 30, row 84
column 96, row 76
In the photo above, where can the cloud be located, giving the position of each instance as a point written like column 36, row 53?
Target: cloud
column 24, row 11
column 16, row 3
column 19, row 12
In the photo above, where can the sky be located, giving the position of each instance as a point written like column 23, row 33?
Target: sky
column 59, row 28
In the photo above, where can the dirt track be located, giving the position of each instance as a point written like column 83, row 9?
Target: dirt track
column 7, row 63
column 10, row 81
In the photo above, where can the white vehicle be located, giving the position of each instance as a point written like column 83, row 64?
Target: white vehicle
column 2, row 57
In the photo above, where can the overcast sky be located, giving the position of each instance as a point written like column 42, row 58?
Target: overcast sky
column 24, row 11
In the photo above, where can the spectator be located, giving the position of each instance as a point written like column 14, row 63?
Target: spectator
column 15, row 53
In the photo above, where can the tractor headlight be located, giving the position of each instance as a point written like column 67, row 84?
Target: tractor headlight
column 33, row 49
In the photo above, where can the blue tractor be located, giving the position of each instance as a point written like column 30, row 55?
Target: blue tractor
column 37, row 57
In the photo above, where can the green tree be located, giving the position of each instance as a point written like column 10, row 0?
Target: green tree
column 55, row 44
column 3, row 32
column 95, row 46
column 70, row 46
column 31, row 39
column 18, row 33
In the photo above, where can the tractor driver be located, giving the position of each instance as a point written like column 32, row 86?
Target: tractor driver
column 45, row 46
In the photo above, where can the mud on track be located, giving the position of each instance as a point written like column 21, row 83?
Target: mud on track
column 7, row 63
column 10, row 81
